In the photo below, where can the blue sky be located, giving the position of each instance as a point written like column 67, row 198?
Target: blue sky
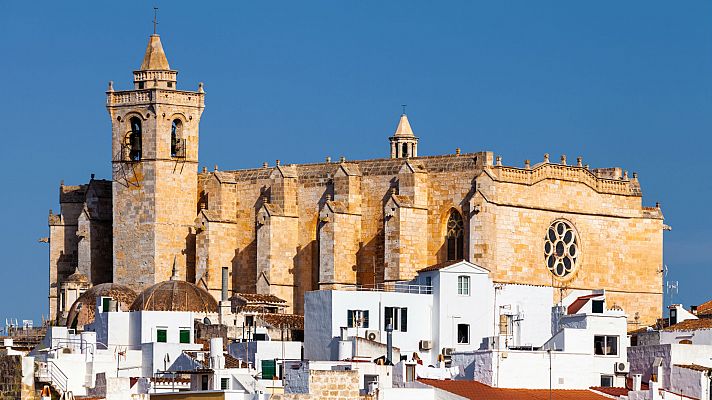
column 621, row 83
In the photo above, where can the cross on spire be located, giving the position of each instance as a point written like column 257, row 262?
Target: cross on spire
column 404, row 106
column 155, row 19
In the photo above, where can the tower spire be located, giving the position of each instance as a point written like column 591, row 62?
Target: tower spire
column 404, row 143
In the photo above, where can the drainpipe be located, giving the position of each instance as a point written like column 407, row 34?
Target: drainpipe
column 225, row 275
column 389, row 344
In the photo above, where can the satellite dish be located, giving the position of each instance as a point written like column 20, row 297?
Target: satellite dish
column 206, row 321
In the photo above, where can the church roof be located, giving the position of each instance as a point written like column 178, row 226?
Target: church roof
column 175, row 295
column 404, row 128
column 155, row 57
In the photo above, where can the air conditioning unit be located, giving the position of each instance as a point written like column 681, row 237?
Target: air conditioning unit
column 426, row 344
column 447, row 351
column 621, row 367
column 373, row 336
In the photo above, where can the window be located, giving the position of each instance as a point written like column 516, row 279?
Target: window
column 176, row 142
column 505, row 324
column 597, row 306
column 357, row 318
column 429, row 281
column 249, row 320
column 463, row 285
column 184, row 335
column 463, row 334
column 605, row 345
column 105, row 304
column 161, row 335
column 134, row 140
column 203, row 382
column 404, row 152
column 394, row 315
column 561, row 249
column 455, row 240
column 224, row 383
column 606, row 380
column 269, row 369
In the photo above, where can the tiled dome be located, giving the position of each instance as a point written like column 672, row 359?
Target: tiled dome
column 83, row 310
column 175, row 295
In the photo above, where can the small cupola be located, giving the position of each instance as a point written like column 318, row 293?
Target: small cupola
column 404, row 143
column 155, row 71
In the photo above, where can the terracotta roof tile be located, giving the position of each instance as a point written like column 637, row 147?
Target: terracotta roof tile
column 289, row 321
column 580, row 302
column 480, row 391
column 261, row 298
column 439, row 266
column 694, row 367
column 705, row 308
column 691, row 325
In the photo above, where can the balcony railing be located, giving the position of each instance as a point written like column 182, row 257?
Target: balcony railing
column 399, row 287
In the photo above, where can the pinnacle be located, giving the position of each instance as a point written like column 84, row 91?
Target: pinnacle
column 404, row 128
column 155, row 57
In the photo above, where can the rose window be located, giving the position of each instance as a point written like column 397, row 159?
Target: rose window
column 561, row 249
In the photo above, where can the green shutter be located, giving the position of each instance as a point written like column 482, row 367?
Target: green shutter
column 404, row 320
column 350, row 318
column 161, row 335
column 105, row 304
column 388, row 318
column 185, row 336
column 365, row 318
column 224, row 383
column 269, row 369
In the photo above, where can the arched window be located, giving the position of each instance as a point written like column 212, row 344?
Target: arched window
column 176, row 142
column 134, row 142
column 404, row 152
column 455, row 237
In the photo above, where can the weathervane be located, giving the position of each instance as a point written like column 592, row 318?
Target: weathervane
column 155, row 19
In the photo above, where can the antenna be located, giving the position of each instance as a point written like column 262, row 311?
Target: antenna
column 671, row 287
column 155, row 19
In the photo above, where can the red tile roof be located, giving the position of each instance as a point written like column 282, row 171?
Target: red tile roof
column 580, row 302
column 480, row 391
column 694, row 367
column 439, row 266
column 691, row 325
column 705, row 309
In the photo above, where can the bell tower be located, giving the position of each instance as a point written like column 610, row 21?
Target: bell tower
column 155, row 131
column 404, row 144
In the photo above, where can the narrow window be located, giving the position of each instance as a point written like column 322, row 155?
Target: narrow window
column 105, row 304
column 405, row 150
column 203, row 382
column 161, row 335
column 455, row 236
column 463, row 285
column 224, row 383
column 134, row 140
column 404, row 320
column 364, row 318
column 463, row 334
column 185, row 335
column 176, row 145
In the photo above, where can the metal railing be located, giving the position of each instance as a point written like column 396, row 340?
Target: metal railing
column 50, row 372
column 399, row 287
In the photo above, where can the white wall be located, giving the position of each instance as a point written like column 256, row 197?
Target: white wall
column 257, row 351
column 689, row 382
column 698, row 337
column 451, row 309
column 326, row 312
column 534, row 303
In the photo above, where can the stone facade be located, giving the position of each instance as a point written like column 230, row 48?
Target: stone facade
column 288, row 229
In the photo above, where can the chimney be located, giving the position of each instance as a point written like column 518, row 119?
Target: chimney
column 637, row 382
column 217, row 360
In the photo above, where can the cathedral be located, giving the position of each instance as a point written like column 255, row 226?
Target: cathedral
column 286, row 229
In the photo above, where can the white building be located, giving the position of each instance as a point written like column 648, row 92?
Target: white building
column 450, row 307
